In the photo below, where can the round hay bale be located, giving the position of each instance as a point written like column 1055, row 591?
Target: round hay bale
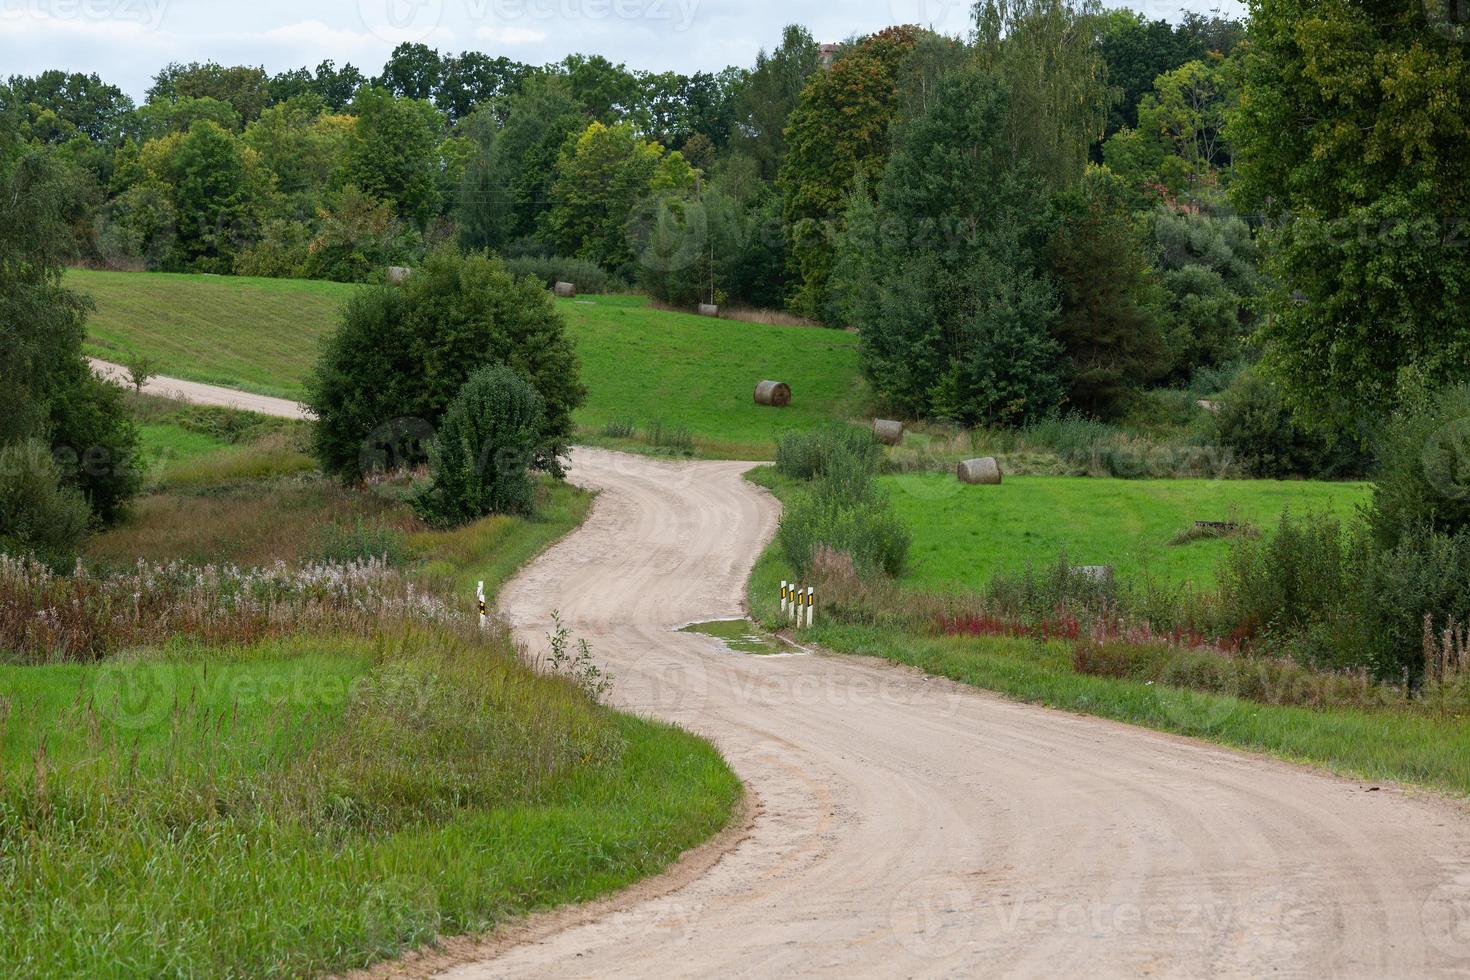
column 888, row 432
column 708, row 309
column 984, row 471
column 1098, row 573
column 776, row 394
column 398, row 275
column 566, row 290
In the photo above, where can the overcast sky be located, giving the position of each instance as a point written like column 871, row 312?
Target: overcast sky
column 127, row 41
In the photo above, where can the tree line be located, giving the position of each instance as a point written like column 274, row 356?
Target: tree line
column 1061, row 210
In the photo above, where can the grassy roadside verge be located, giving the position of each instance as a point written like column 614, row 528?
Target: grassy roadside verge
column 318, row 804
column 1369, row 744
column 304, row 801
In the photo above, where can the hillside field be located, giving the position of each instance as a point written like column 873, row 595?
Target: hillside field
column 640, row 365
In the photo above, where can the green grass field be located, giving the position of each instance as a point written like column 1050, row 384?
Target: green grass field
column 963, row 535
column 257, row 335
column 307, row 804
column 204, row 843
column 640, row 365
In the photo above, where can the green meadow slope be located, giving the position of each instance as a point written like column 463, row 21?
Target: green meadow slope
column 641, row 365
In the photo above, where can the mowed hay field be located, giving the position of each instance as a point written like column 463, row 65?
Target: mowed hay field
column 258, row 335
column 964, row 535
column 641, row 366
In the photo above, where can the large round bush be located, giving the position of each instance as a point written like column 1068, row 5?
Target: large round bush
column 482, row 455
column 400, row 355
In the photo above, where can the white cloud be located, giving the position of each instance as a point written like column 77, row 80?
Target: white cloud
column 510, row 35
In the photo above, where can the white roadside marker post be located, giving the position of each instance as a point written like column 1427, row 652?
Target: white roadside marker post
column 480, row 595
column 811, row 606
column 784, row 584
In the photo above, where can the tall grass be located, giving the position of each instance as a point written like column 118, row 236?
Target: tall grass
column 50, row 618
column 425, row 783
column 840, row 510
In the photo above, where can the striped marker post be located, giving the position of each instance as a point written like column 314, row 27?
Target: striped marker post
column 480, row 595
column 798, row 605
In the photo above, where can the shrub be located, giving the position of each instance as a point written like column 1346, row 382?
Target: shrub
column 1425, row 575
column 94, row 441
column 1290, row 582
column 482, row 456
column 356, row 240
column 401, row 355
column 672, row 437
column 865, row 531
column 620, row 428
column 360, row 541
column 1261, row 679
column 1037, row 597
column 586, row 275
column 223, row 424
column 807, row 455
column 1423, row 477
column 1255, row 422
column 844, row 511
column 38, row 516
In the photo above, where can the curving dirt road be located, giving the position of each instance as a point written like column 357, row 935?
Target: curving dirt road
column 909, row 827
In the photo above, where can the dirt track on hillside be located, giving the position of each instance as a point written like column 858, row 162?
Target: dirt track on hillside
column 905, row 826
column 201, row 394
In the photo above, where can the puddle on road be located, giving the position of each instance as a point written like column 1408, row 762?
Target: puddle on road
column 743, row 636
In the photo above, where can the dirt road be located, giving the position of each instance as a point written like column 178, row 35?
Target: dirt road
column 910, row 827
column 202, row 394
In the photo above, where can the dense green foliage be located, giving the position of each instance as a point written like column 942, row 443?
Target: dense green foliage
column 38, row 515
column 837, row 137
column 587, row 276
column 842, row 514
column 601, row 178
column 765, row 187
column 1351, row 136
column 942, row 274
column 400, row 356
column 1111, row 300
column 48, row 396
column 768, row 97
column 808, row 455
column 481, row 457
column 1253, row 421
column 1423, row 478
column 1208, row 270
